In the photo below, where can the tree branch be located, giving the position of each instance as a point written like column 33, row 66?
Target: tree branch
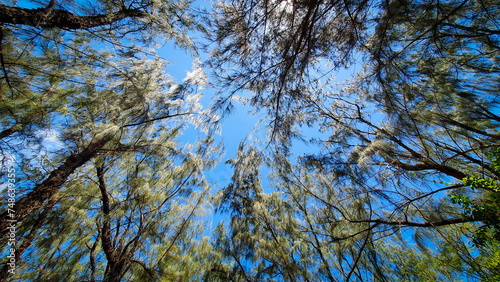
column 56, row 18
column 448, row 170
column 115, row 261
column 49, row 188
column 443, row 222
column 145, row 268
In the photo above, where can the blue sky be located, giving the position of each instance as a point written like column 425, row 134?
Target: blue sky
column 235, row 128
column 240, row 124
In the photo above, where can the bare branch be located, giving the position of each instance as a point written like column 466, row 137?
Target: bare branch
column 56, row 18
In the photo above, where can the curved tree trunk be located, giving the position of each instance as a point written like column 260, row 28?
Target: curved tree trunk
column 50, row 187
column 55, row 18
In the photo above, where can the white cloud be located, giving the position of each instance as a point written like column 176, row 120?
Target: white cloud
column 197, row 76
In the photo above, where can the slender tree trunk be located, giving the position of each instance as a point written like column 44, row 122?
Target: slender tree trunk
column 116, row 262
column 50, row 187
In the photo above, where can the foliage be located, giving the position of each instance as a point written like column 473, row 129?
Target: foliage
column 107, row 192
column 485, row 207
column 147, row 204
column 424, row 108
column 306, row 228
column 91, row 119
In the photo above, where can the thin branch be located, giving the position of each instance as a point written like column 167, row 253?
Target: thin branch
column 443, row 222
column 144, row 266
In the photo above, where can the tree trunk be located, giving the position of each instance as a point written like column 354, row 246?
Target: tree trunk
column 50, row 187
column 116, row 262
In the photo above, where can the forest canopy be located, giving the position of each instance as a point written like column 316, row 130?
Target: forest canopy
column 398, row 181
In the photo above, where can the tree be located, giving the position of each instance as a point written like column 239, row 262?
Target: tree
column 41, row 74
column 274, row 49
column 484, row 206
column 315, row 224
column 130, row 215
column 84, row 74
column 414, row 96
column 423, row 109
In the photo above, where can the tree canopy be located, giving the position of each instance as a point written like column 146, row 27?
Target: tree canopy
column 400, row 183
column 111, row 195
column 396, row 139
